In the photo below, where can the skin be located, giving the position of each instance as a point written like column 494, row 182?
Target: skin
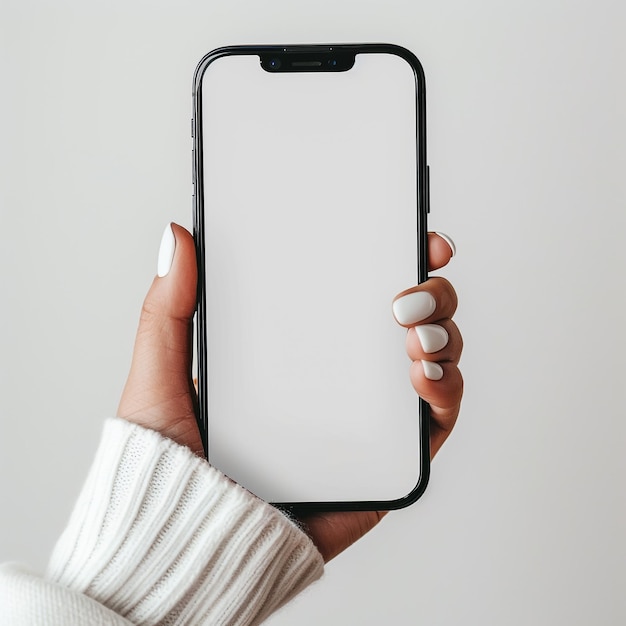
column 160, row 395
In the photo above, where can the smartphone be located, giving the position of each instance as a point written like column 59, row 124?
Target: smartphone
column 310, row 207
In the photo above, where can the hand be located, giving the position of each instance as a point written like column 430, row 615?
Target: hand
column 434, row 375
column 160, row 395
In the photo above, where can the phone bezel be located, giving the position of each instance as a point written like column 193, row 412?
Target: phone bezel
column 304, row 52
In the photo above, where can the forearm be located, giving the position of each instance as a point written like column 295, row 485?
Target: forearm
column 159, row 536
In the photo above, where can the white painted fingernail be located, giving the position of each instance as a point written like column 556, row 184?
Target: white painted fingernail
column 432, row 337
column 413, row 307
column 448, row 240
column 432, row 371
column 166, row 252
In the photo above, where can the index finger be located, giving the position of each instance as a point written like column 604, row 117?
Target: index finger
column 441, row 249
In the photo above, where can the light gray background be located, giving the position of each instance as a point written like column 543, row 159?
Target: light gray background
column 524, row 521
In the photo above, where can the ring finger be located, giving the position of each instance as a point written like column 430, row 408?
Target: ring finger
column 437, row 341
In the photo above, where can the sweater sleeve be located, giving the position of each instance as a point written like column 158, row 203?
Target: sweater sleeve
column 158, row 536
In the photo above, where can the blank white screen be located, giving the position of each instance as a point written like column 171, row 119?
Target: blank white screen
column 310, row 230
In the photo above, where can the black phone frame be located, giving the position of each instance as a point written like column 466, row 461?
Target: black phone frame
column 311, row 53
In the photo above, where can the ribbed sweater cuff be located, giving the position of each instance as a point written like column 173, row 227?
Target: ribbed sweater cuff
column 161, row 537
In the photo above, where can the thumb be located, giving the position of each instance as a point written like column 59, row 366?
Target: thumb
column 159, row 393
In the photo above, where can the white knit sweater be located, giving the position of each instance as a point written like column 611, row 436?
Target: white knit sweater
column 158, row 536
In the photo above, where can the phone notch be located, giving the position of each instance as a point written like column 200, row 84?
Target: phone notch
column 318, row 61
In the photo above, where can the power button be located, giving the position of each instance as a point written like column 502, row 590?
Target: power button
column 427, row 189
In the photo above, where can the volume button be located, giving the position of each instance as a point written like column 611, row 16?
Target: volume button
column 427, row 189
